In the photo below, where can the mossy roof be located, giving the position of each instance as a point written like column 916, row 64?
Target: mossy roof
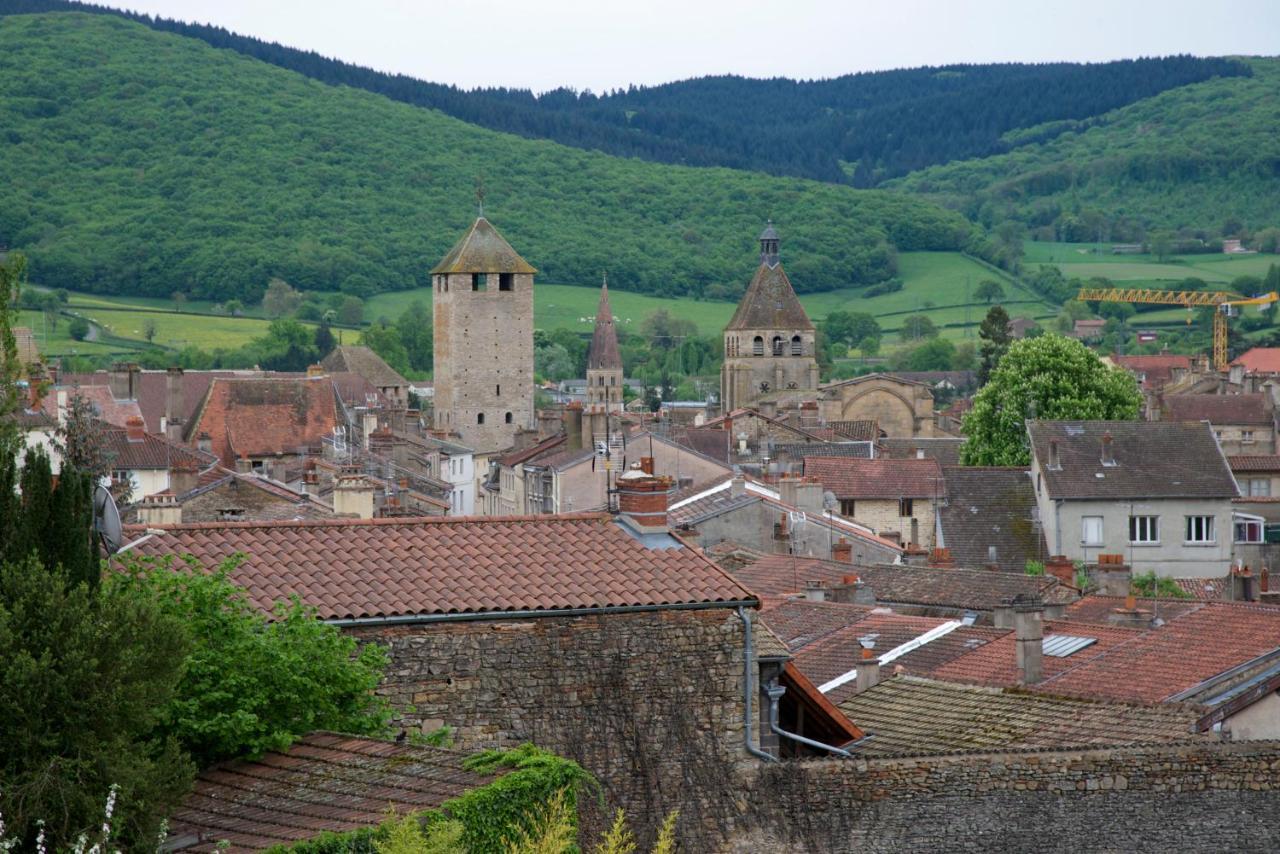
column 483, row 250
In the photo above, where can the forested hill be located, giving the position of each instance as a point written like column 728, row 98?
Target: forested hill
column 860, row 129
column 1200, row 158
column 146, row 163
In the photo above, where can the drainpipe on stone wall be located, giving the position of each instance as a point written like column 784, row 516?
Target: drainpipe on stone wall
column 748, row 687
column 775, row 694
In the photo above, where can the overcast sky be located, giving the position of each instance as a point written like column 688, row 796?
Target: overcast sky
column 599, row 44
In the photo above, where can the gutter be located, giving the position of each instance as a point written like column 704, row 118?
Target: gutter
column 748, row 688
column 475, row 616
column 775, row 694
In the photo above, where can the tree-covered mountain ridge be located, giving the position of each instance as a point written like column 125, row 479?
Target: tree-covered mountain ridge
column 144, row 163
column 1202, row 157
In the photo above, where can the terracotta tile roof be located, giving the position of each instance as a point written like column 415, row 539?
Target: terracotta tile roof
column 550, row 444
column 323, row 782
column 960, row 589
column 351, row 568
column 840, row 651
column 1255, row 462
column 858, row 431
column 1204, row 589
column 1219, row 409
column 994, row 663
column 945, row 450
column 799, row 622
column 910, row 716
column 1168, row 660
column 1155, row 370
column 603, row 352
column 933, row 655
column 265, row 416
column 363, row 362
column 1260, row 360
column 106, row 407
column 483, row 250
column 770, row 303
column 991, row 507
column 1154, row 459
column 152, row 391
column 890, row 479
column 149, row 452
column 261, row 500
column 1097, row 609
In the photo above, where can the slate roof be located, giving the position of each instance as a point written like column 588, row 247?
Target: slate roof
column 960, row 589
column 858, row 431
column 323, row 782
column 991, row 507
column 265, row 416
column 945, row 450
column 709, row 442
column 1255, row 462
column 1168, row 660
column 364, row 362
column 1219, row 408
column 354, row 568
column 995, row 663
column 770, row 303
column 796, row 450
column 1260, row 360
column 603, row 353
column 880, row 478
column 482, row 250
column 1154, row 459
column 911, row 716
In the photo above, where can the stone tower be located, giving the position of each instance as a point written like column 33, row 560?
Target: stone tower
column 769, row 343
column 604, row 374
column 482, row 297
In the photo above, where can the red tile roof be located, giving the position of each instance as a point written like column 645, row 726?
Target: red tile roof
column 1155, row 370
column 1255, row 462
column 1097, row 609
column 799, row 622
column 153, row 390
column 849, row 477
column 324, row 782
column 1219, row 409
column 149, row 452
column 351, row 568
column 107, row 408
column 995, row 663
column 1260, row 360
column 1163, row 662
column 265, row 416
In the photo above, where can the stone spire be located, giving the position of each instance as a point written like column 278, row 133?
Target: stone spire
column 604, row 355
column 769, row 245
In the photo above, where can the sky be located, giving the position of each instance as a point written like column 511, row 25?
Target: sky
column 600, row 45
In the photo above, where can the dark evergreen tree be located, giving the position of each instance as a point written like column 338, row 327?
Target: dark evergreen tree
column 995, row 338
column 324, row 340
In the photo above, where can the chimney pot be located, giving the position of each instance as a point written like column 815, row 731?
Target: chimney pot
column 842, row 551
column 642, row 501
column 1028, row 628
column 135, row 428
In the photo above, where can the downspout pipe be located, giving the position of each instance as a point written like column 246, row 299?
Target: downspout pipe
column 748, row 688
column 775, row 694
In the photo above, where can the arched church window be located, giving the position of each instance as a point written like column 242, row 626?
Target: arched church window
column 797, row 346
column 777, row 345
column 757, row 346
column 479, row 417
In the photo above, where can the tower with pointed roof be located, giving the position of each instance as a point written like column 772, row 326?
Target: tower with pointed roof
column 769, row 343
column 604, row 375
column 482, row 299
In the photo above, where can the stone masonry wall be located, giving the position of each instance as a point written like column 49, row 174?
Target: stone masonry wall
column 650, row 703
column 1201, row 797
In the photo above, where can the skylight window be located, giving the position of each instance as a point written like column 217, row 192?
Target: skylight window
column 1061, row 646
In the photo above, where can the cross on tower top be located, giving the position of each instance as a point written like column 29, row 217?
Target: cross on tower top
column 480, row 195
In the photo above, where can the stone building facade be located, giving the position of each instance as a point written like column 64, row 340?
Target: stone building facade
column 482, row 299
column 769, row 342
column 903, row 409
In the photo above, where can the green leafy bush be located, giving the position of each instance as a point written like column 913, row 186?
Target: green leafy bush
column 1034, row 567
column 1149, row 585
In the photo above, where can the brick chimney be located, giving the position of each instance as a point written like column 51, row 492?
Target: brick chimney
column 842, row 551
column 1062, row 568
column 1130, row 615
column 642, row 501
column 646, row 465
column 174, row 399
column 1028, row 631
column 868, row 675
column 941, row 559
column 135, row 428
column 853, row 589
column 314, row 371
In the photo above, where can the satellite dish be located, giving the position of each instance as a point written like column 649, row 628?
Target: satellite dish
column 106, row 520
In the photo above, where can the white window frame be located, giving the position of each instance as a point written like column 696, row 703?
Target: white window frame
column 1246, row 437
column 1258, row 487
column 1144, row 530
column 1085, row 523
column 1200, row 531
column 1253, row 527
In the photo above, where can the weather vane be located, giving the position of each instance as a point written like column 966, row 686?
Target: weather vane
column 480, row 194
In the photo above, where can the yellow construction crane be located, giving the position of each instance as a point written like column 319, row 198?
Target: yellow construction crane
column 1223, row 303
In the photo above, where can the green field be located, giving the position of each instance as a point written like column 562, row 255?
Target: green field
column 57, row 342
column 1080, row 260
column 208, row 332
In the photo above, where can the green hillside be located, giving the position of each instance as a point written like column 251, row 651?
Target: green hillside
column 144, row 163
column 1192, row 157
